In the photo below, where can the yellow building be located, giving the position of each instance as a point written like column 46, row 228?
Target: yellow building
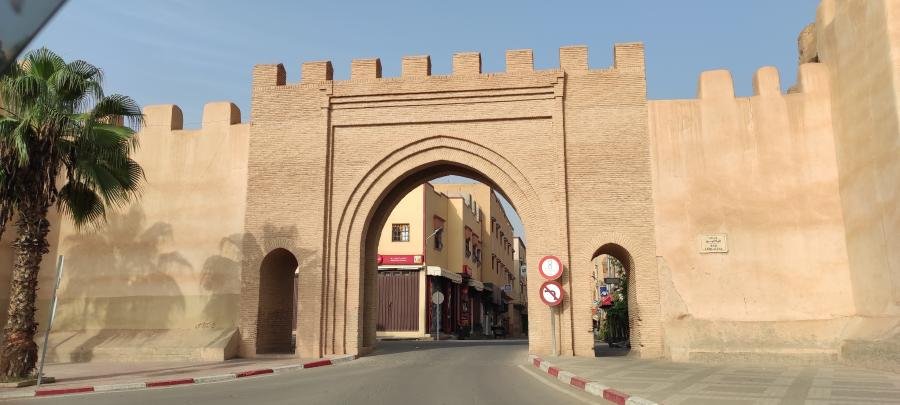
column 520, row 305
column 499, row 271
column 437, row 240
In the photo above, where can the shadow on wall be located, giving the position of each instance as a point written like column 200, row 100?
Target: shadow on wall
column 221, row 278
column 221, row 273
column 123, row 278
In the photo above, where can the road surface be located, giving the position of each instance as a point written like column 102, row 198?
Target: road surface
column 403, row 372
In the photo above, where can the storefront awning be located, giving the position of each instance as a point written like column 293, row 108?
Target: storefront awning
column 437, row 271
column 479, row 286
column 399, row 267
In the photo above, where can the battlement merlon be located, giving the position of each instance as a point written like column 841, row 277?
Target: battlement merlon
column 415, row 66
column 318, row 71
column 812, row 78
column 467, row 64
column 572, row 59
column 519, row 60
column 165, row 116
column 628, row 55
column 363, row 69
column 169, row 116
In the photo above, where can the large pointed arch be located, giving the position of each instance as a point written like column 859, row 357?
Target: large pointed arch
column 382, row 187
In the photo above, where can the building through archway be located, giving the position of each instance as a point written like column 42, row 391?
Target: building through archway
column 612, row 323
column 450, row 240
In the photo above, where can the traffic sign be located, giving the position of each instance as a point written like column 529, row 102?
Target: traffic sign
column 552, row 293
column 550, row 267
column 437, row 297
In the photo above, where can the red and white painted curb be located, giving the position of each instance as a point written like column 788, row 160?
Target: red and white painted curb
column 180, row 381
column 591, row 387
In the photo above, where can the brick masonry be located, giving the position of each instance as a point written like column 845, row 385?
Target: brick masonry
column 802, row 183
column 367, row 141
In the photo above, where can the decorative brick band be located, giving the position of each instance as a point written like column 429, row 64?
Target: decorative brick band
column 591, row 387
column 180, row 381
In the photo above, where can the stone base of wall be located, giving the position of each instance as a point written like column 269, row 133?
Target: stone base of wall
column 856, row 341
column 402, row 335
column 775, row 342
column 878, row 355
column 141, row 345
column 791, row 357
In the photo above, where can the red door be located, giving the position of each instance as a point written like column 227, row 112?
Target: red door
column 398, row 301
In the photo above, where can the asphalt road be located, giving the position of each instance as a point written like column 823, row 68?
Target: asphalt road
column 405, row 373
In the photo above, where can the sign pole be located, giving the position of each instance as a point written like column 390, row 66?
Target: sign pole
column 553, row 331
column 551, row 292
column 437, row 329
column 59, row 272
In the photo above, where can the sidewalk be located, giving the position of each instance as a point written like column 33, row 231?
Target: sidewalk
column 114, row 376
column 683, row 383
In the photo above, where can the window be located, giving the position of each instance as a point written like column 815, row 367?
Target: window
column 438, row 224
column 439, row 239
column 400, row 233
column 468, row 251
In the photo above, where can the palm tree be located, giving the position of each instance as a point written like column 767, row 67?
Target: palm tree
column 60, row 145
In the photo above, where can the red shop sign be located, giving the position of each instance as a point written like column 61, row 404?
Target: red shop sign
column 399, row 259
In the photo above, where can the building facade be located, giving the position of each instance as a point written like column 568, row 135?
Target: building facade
column 519, row 310
column 761, row 227
column 437, row 241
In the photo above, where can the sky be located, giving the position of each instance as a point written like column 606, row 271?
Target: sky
column 190, row 52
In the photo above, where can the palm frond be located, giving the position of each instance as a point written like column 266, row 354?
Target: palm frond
column 117, row 105
column 42, row 63
column 63, row 126
column 81, row 203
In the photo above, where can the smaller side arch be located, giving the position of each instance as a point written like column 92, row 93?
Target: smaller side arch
column 643, row 293
column 276, row 310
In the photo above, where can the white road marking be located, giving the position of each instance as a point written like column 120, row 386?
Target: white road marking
column 555, row 385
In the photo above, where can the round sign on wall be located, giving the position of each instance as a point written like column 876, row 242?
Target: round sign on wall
column 550, row 267
column 437, row 297
column 552, row 293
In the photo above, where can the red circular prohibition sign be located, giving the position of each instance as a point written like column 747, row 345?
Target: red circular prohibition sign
column 550, row 267
column 552, row 293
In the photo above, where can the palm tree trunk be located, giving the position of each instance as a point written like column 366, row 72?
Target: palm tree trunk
column 18, row 352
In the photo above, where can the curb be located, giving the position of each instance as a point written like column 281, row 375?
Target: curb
column 180, row 381
column 592, row 387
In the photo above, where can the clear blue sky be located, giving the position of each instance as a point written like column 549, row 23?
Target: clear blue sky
column 189, row 52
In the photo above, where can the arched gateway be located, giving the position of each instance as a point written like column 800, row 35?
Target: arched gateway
column 568, row 147
column 694, row 196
